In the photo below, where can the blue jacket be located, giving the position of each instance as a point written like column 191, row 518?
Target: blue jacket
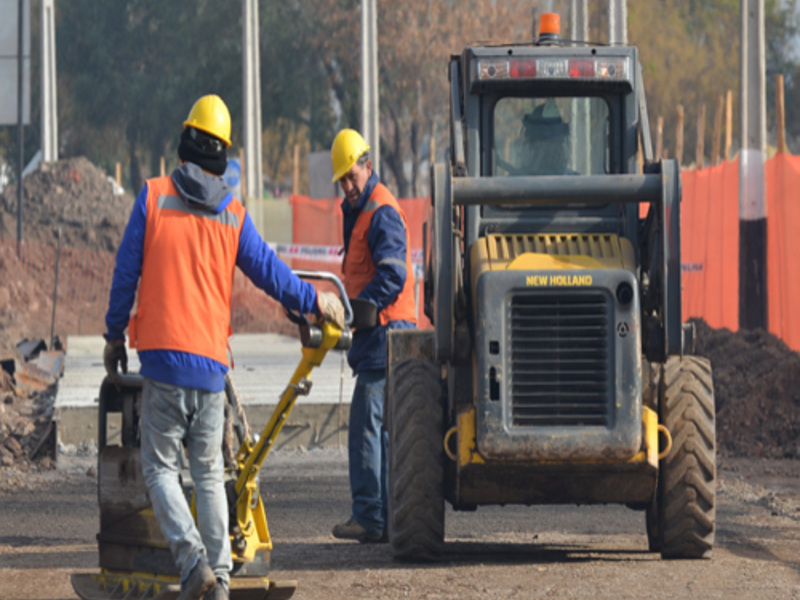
column 255, row 258
column 386, row 239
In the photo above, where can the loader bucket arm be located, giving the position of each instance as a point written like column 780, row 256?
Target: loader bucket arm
column 661, row 189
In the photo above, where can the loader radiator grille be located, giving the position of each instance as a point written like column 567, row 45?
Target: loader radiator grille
column 560, row 356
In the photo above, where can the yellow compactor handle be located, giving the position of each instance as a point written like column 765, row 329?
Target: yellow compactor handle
column 251, row 534
column 299, row 385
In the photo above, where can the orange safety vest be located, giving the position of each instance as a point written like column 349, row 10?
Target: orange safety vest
column 187, row 275
column 358, row 268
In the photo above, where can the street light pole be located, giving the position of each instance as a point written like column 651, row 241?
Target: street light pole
column 580, row 138
column 20, row 130
column 370, row 107
column 252, row 100
column 752, row 159
column 618, row 22
column 49, row 132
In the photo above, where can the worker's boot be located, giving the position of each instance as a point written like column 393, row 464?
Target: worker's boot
column 353, row 530
column 201, row 581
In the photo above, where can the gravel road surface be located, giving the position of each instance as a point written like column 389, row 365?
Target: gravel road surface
column 48, row 522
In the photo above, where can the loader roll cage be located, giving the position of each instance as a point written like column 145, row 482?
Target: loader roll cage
column 466, row 194
column 661, row 229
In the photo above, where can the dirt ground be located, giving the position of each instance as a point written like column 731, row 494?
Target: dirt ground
column 48, row 523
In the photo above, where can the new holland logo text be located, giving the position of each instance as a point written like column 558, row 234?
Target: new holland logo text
column 559, row 280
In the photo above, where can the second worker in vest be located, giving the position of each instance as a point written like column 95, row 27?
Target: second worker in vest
column 185, row 237
column 377, row 268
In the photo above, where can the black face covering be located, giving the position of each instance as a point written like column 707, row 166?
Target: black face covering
column 204, row 150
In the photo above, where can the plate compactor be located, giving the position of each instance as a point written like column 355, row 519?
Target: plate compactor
column 135, row 560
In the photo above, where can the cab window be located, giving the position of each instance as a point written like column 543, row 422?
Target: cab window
column 550, row 136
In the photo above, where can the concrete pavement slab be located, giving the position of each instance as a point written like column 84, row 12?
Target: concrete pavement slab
column 263, row 365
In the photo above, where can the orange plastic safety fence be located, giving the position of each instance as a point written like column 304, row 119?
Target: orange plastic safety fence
column 319, row 223
column 710, row 244
column 783, row 247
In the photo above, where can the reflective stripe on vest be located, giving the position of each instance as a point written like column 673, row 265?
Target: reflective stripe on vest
column 187, row 275
column 359, row 269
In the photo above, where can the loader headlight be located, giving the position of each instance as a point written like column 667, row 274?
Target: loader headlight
column 624, row 293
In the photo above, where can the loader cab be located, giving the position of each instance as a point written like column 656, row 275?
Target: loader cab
column 540, row 111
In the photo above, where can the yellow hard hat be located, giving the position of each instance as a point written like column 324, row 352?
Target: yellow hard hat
column 347, row 148
column 210, row 114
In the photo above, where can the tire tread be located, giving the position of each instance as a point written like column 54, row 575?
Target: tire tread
column 416, row 461
column 687, row 481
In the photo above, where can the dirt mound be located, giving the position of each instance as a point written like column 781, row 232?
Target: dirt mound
column 72, row 193
column 757, row 390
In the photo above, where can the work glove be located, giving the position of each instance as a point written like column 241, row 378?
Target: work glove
column 331, row 308
column 115, row 354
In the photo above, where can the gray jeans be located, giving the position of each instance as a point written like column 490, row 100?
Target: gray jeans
column 170, row 415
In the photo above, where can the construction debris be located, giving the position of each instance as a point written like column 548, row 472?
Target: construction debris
column 26, row 431
column 30, row 349
column 8, row 366
column 27, row 394
column 43, row 372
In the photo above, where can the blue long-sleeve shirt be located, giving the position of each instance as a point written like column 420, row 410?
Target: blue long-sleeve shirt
column 386, row 239
column 256, row 260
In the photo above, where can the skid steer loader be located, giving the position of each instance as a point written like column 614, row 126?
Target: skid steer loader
column 559, row 370
column 135, row 560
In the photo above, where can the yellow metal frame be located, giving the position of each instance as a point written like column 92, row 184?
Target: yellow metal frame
column 550, row 252
column 468, row 454
column 250, row 511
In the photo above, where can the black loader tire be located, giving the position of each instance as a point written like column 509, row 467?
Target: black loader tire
column 687, row 478
column 416, row 461
column 651, row 522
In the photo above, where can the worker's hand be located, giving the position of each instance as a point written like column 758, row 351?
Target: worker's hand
column 331, row 308
column 115, row 354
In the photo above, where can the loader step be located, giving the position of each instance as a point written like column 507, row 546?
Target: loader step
column 140, row 586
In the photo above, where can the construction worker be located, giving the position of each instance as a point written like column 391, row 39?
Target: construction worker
column 377, row 268
column 185, row 236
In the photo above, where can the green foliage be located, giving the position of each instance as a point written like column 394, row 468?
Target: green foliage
column 131, row 70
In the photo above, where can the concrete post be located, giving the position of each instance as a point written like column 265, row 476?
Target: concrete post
column 618, row 22
column 49, row 131
column 752, row 159
column 252, row 99
column 370, row 106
